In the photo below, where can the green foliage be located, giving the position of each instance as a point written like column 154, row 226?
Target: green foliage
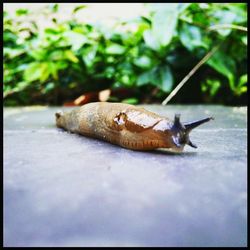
column 150, row 54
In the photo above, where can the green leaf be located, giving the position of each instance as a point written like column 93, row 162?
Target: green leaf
column 53, row 70
column 182, row 7
column 109, row 72
column 144, row 78
column 12, row 52
column 22, row 67
column 69, row 55
column 76, row 39
column 191, row 36
column 233, row 15
column 45, row 72
column 61, row 65
column 243, row 80
column 224, row 64
column 51, row 9
column 241, row 88
column 79, row 8
column 89, row 56
column 212, row 86
column 125, row 79
column 239, row 10
column 164, row 23
column 145, row 19
column 244, row 40
column 224, row 16
column 55, row 8
column 48, row 87
column 32, row 72
column 150, row 40
column 153, row 76
column 115, row 49
column 9, row 37
column 166, row 79
column 19, row 87
column 5, row 14
column 143, row 62
column 56, row 55
column 21, row 12
column 131, row 100
column 52, row 31
column 38, row 54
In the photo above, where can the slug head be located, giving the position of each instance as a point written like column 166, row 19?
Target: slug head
column 180, row 132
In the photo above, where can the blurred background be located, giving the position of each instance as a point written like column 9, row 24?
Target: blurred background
column 70, row 54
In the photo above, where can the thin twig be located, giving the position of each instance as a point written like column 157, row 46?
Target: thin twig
column 185, row 79
column 227, row 26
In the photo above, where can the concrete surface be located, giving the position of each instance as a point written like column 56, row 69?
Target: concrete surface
column 63, row 189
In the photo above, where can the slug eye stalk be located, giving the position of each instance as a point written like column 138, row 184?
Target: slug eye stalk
column 181, row 131
column 191, row 125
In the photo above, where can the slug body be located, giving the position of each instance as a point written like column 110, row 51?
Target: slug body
column 128, row 126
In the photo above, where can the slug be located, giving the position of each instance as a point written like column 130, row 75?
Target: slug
column 128, row 126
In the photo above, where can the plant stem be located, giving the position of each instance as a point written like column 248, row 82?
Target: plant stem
column 186, row 78
column 227, row 26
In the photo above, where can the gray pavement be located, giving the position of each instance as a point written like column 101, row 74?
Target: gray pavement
column 62, row 189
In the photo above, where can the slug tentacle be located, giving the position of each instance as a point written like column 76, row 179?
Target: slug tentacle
column 181, row 132
column 191, row 125
column 128, row 126
column 191, row 144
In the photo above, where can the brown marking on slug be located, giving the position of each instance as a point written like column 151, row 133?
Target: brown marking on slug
column 128, row 126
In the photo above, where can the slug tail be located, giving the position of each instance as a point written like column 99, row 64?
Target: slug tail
column 59, row 116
